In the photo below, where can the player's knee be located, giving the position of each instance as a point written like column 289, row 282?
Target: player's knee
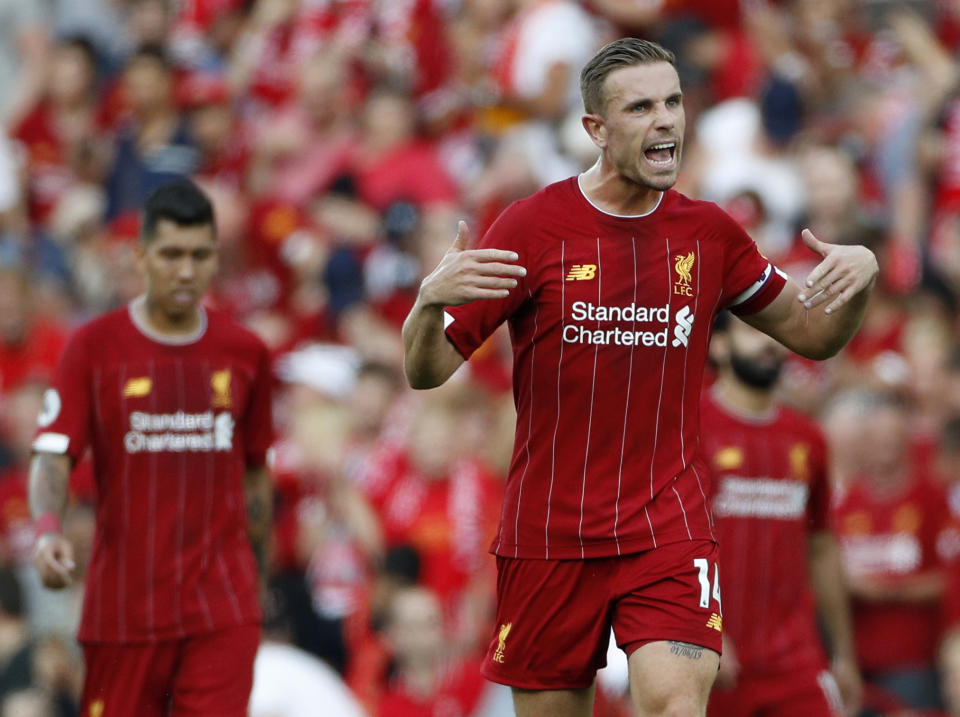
column 672, row 705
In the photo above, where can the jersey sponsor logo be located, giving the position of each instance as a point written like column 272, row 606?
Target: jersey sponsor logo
column 729, row 458
column 138, row 387
column 96, row 708
column 576, row 333
column 582, row 272
column 502, row 642
column 761, row 498
column 681, row 332
column 891, row 554
column 715, row 622
column 50, row 409
column 220, row 383
column 179, row 432
column 683, row 266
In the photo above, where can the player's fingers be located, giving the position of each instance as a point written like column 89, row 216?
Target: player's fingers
column 488, row 255
column 815, row 280
column 842, row 298
column 498, row 269
column 494, row 282
column 462, row 238
column 481, row 293
column 813, row 243
column 58, row 572
column 830, row 287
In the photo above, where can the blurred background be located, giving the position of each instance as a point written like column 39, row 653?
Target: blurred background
column 340, row 141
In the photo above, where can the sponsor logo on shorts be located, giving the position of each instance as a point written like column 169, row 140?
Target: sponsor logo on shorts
column 502, row 642
column 138, row 387
column 96, row 708
column 716, row 622
column 683, row 265
column 582, row 272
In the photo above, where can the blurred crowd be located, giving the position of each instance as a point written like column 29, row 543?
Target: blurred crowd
column 340, row 141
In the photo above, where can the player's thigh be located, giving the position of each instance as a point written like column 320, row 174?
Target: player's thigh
column 672, row 679
column 215, row 673
column 553, row 623
column 556, row 703
column 124, row 680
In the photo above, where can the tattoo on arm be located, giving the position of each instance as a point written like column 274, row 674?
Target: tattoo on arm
column 49, row 482
column 686, row 649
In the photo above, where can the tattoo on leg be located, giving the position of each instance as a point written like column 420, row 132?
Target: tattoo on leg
column 686, row 649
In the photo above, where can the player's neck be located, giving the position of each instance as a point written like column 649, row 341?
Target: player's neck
column 744, row 400
column 160, row 322
column 609, row 191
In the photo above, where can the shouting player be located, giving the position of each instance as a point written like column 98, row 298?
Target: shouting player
column 771, row 501
column 173, row 401
column 610, row 282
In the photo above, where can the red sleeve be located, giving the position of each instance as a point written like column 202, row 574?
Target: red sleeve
column 818, row 506
column 469, row 325
column 750, row 282
column 63, row 426
column 258, row 432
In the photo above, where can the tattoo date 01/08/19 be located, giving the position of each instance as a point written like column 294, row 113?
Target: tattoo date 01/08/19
column 686, row 649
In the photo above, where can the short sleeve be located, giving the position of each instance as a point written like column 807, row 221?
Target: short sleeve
column 469, row 325
column 818, row 505
column 63, row 425
column 258, row 420
column 750, row 281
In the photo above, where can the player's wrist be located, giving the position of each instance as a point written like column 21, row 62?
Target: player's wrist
column 47, row 524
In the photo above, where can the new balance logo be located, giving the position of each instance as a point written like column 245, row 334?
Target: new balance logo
column 681, row 332
column 716, row 622
column 582, row 272
column 138, row 387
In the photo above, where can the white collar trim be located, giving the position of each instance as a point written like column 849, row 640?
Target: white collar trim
column 159, row 336
column 611, row 214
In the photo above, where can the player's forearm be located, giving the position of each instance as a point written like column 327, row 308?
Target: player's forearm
column 826, row 574
column 832, row 331
column 429, row 359
column 259, row 497
column 48, row 484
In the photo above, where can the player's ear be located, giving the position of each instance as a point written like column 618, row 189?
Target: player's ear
column 719, row 351
column 596, row 128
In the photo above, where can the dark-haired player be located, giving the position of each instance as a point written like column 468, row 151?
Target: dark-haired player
column 610, row 282
column 173, row 401
column 771, row 503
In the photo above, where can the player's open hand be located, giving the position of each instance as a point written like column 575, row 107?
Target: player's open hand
column 464, row 275
column 844, row 272
column 53, row 558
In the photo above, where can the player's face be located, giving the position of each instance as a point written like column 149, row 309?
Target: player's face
column 178, row 264
column 644, row 123
column 755, row 358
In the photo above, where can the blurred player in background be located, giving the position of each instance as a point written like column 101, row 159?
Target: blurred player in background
column 771, row 502
column 610, row 282
column 174, row 403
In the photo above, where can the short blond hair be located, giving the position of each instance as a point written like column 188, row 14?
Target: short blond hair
column 625, row 52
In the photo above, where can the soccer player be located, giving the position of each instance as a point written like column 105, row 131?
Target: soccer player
column 609, row 282
column 771, row 502
column 173, row 401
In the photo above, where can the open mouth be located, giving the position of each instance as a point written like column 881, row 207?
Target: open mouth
column 661, row 155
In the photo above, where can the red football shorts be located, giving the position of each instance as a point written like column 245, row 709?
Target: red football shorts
column 802, row 693
column 554, row 616
column 209, row 675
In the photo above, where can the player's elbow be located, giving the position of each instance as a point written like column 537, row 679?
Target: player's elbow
column 419, row 376
column 818, row 349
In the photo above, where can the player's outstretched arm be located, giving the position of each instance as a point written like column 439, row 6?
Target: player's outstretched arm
column 259, row 495
column 462, row 276
column 52, row 554
column 829, row 588
column 818, row 319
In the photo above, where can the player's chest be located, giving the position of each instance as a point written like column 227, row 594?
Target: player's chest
column 169, row 390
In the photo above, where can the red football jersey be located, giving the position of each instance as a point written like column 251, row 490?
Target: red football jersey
column 610, row 329
column 171, row 427
column 888, row 538
column 769, row 494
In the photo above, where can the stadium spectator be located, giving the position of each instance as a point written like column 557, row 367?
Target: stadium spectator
column 635, row 117
column 178, row 392
column 771, row 498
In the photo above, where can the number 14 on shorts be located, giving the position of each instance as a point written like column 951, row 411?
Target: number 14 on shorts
column 703, row 575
